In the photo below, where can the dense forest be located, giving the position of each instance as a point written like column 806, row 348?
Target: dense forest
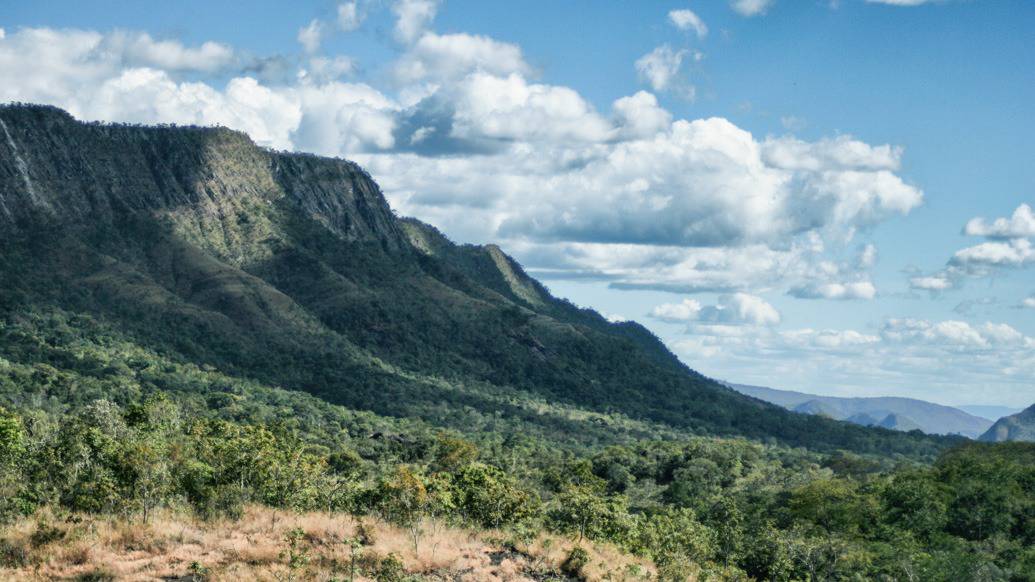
column 192, row 326
column 96, row 425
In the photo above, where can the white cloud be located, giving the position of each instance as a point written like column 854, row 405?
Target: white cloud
column 660, row 69
column 842, row 152
column 331, row 68
column 908, row 357
column 685, row 19
column 828, row 338
column 139, row 49
column 1009, row 247
column 867, row 257
column 413, row 18
column 310, row 36
column 349, row 16
column 630, row 196
column 952, row 334
column 932, row 283
column 1014, row 253
column 751, row 7
column 640, row 115
column 510, row 109
column 858, row 290
column 731, row 310
column 1020, row 225
column 704, row 183
column 452, row 56
column 1028, row 302
column 740, row 308
column 98, row 77
column 686, row 310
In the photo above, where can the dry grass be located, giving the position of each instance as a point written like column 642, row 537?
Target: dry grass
column 257, row 547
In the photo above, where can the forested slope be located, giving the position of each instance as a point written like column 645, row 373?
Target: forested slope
column 292, row 270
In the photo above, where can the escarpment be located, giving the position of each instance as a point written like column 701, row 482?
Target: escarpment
column 212, row 183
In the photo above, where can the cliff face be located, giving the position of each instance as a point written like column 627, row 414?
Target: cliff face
column 293, row 270
column 212, row 183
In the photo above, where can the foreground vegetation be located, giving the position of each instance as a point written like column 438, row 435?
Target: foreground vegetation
column 110, row 431
column 270, row 545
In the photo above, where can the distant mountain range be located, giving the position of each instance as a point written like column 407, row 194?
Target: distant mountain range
column 992, row 413
column 1016, row 427
column 904, row 414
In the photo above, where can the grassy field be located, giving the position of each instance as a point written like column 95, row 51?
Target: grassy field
column 267, row 544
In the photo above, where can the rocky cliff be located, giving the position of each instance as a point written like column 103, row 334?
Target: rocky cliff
column 1016, row 427
column 212, row 183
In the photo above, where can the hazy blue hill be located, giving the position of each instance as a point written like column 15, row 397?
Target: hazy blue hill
column 898, row 422
column 292, row 269
column 926, row 416
column 1016, row 427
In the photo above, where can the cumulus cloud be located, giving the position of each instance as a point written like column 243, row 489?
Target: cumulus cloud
column 686, row 310
column 734, row 309
column 629, row 196
column 104, row 77
column 1014, row 253
column 1009, row 247
column 685, row 19
column 1020, row 225
column 707, row 183
column 412, row 18
column 827, row 338
column 952, row 333
column 740, row 308
column 310, row 36
column 906, row 357
column 932, row 283
column 660, row 69
column 864, row 290
column 511, row 109
column 350, row 17
column 640, row 115
column 1028, row 302
column 331, row 68
column 51, row 66
column 451, row 57
column 752, row 7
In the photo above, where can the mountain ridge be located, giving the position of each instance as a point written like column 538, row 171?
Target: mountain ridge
column 1016, row 427
column 294, row 270
column 905, row 413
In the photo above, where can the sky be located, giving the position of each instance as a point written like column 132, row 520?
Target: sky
column 832, row 196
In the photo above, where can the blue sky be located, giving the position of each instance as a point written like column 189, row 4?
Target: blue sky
column 780, row 190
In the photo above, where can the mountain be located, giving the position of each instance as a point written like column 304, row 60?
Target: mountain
column 1016, row 427
column 992, row 413
column 888, row 412
column 292, row 270
column 898, row 422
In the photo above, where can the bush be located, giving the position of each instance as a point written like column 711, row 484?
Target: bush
column 576, row 561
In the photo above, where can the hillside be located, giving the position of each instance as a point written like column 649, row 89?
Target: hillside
column 1016, row 427
column 221, row 362
column 292, row 270
column 903, row 414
